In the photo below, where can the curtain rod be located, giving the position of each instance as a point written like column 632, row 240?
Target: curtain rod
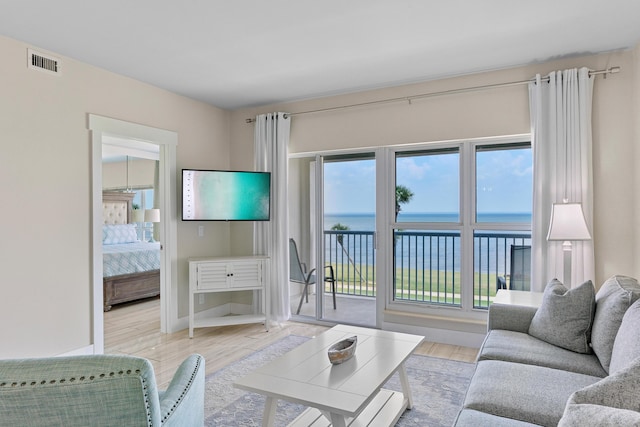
column 610, row 70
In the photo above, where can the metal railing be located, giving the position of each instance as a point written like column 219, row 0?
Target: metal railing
column 492, row 259
column 352, row 255
column 427, row 264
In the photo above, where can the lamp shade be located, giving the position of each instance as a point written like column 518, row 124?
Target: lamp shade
column 568, row 223
column 137, row 215
column 152, row 215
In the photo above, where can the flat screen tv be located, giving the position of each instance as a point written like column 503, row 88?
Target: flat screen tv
column 218, row 195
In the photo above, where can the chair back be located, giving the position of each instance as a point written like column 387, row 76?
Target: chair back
column 101, row 390
column 520, row 268
column 296, row 273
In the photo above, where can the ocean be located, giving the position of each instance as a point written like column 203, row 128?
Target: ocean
column 417, row 251
column 367, row 221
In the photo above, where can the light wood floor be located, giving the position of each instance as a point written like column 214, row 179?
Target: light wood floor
column 135, row 330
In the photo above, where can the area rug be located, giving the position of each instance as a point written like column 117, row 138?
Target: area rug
column 438, row 387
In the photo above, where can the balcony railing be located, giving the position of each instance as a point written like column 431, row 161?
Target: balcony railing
column 427, row 264
column 352, row 255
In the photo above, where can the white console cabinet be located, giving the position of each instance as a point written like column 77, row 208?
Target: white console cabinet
column 230, row 274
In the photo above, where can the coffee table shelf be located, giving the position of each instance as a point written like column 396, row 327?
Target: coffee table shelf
column 384, row 410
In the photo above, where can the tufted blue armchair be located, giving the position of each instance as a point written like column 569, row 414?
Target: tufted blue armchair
column 101, row 390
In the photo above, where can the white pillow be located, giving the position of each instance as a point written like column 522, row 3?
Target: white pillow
column 119, row 233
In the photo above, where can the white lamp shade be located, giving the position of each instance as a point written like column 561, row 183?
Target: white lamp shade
column 568, row 223
column 137, row 215
column 152, row 215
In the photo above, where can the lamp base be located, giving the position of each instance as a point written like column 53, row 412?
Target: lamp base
column 566, row 249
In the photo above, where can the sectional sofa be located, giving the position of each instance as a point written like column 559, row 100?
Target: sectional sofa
column 574, row 361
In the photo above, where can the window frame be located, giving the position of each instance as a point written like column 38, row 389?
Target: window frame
column 467, row 225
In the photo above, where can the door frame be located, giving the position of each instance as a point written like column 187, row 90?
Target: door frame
column 316, row 209
column 167, row 141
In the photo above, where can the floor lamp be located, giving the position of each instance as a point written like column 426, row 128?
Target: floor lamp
column 567, row 224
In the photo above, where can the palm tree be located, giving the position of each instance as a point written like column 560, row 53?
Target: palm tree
column 340, row 227
column 403, row 195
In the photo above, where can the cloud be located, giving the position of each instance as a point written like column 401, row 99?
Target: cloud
column 409, row 167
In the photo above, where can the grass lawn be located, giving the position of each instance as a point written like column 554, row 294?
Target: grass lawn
column 432, row 286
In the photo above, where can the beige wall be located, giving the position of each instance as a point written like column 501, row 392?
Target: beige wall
column 45, row 265
column 485, row 113
column 45, row 164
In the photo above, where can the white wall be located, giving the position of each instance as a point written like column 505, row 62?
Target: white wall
column 45, row 167
column 486, row 113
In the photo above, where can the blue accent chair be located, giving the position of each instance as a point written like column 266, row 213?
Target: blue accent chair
column 99, row 390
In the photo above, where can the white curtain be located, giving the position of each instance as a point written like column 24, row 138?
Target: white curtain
column 271, row 142
column 561, row 128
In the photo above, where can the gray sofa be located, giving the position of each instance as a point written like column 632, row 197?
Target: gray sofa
column 575, row 361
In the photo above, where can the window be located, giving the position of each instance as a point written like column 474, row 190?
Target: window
column 427, row 235
column 143, row 199
column 502, row 231
column 464, row 200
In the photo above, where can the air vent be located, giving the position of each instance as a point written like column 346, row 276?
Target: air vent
column 47, row 63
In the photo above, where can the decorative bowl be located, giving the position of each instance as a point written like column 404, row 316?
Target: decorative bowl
column 342, row 350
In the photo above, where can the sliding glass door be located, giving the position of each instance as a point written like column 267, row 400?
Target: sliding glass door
column 333, row 221
column 348, row 244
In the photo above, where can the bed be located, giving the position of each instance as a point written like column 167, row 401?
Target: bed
column 131, row 268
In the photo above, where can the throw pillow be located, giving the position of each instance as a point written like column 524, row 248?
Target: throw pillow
column 612, row 401
column 612, row 301
column 564, row 319
column 626, row 346
column 116, row 234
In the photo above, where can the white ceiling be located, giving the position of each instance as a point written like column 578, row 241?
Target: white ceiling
column 241, row 53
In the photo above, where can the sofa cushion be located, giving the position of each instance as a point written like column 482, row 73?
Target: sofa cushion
column 612, row 300
column 517, row 347
column 626, row 346
column 565, row 316
column 471, row 418
column 528, row 393
column 612, row 401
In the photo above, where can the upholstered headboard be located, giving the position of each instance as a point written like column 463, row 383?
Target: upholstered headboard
column 116, row 207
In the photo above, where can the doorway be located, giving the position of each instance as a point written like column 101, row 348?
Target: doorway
column 130, row 134
column 333, row 220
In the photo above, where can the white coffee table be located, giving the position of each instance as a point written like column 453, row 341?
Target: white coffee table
column 337, row 395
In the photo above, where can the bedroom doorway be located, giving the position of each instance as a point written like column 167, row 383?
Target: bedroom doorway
column 132, row 244
column 136, row 141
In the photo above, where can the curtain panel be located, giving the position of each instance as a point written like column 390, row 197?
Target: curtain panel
column 271, row 238
column 560, row 113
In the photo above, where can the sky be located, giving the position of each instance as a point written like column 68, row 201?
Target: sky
column 504, row 183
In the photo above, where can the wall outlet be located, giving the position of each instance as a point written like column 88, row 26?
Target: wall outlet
column 201, row 231
column 200, row 298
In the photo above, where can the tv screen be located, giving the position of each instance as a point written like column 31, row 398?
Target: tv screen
column 216, row 195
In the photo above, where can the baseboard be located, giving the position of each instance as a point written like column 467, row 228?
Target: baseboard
column 444, row 336
column 84, row 351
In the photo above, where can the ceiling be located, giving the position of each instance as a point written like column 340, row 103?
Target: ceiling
column 243, row 53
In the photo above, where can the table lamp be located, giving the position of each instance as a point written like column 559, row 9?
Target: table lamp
column 152, row 215
column 567, row 224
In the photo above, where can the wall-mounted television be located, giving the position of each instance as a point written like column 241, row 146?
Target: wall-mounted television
column 220, row 195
